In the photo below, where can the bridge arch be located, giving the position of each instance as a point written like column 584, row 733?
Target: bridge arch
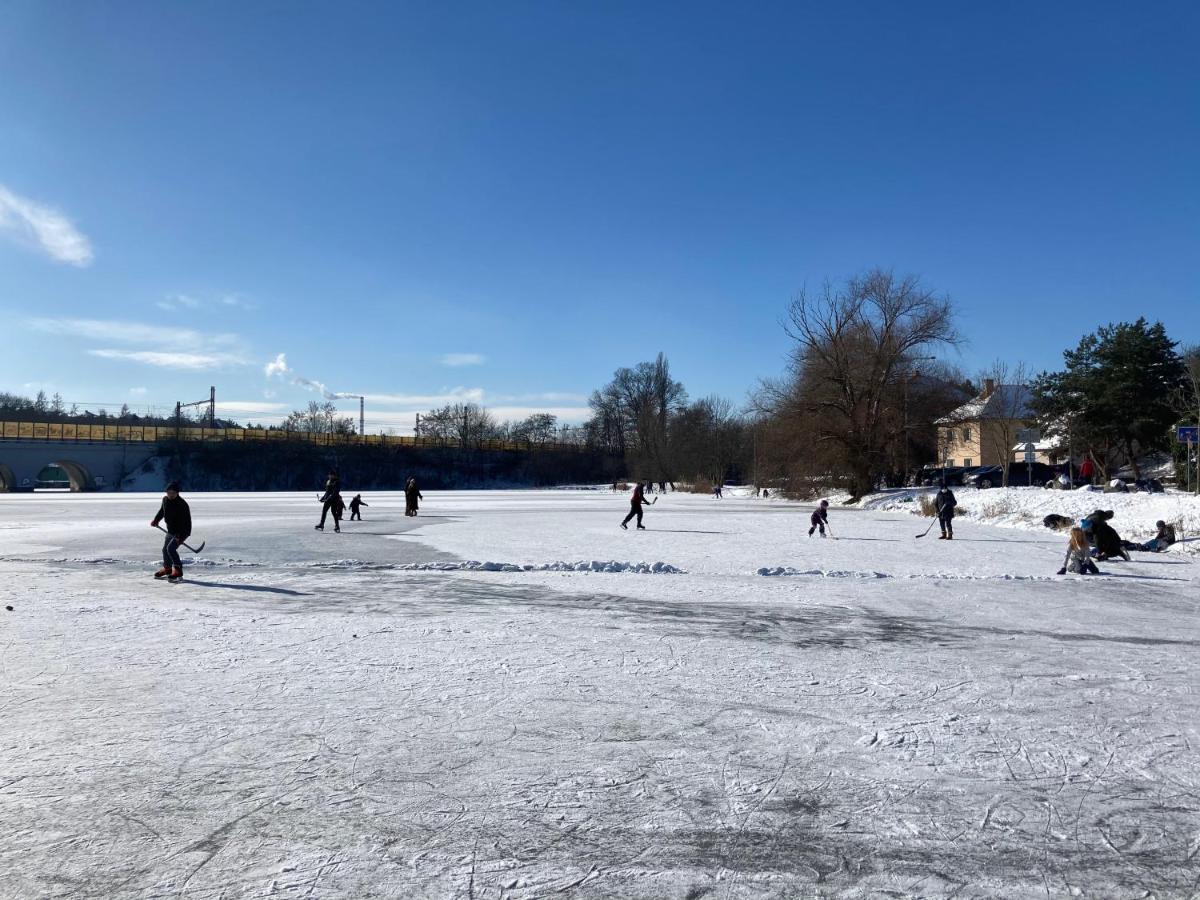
column 8, row 481
column 80, row 478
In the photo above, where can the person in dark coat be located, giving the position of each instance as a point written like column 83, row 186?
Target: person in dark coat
column 819, row 518
column 944, row 502
column 412, row 497
column 355, row 505
column 178, row 517
column 331, row 502
column 635, row 507
column 1103, row 536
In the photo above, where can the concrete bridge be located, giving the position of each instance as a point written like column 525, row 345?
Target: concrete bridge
column 89, row 466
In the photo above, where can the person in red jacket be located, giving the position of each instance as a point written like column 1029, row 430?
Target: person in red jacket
column 1087, row 470
column 635, row 507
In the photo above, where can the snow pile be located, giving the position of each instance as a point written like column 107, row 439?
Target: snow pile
column 775, row 571
column 595, row 565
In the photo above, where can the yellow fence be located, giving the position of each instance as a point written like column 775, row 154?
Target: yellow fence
column 153, row 434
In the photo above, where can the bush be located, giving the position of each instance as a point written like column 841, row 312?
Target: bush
column 928, row 509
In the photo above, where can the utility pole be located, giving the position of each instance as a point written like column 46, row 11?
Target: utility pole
column 362, row 428
column 417, row 426
column 212, row 406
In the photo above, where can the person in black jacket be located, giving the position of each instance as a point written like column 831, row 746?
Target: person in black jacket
column 178, row 516
column 412, row 497
column 354, row 507
column 944, row 502
column 331, row 502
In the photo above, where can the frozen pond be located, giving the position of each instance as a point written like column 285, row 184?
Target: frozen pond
column 365, row 714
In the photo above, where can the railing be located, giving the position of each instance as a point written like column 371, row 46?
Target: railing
column 153, row 434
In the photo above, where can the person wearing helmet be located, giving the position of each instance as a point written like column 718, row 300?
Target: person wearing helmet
column 819, row 518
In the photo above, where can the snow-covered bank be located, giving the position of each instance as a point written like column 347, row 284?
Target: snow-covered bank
column 1024, row 507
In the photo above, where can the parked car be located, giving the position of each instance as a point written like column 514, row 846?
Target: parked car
column 952, row 475
column 1019, row 475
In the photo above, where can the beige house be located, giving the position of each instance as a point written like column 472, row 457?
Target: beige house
column 984, row 431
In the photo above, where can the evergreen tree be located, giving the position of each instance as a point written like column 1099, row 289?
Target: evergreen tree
column 1115, row 393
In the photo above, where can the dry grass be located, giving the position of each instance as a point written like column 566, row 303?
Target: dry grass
column 927, row 508
column 701, row 486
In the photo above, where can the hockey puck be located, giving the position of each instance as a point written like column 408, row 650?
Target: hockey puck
column 9, row 608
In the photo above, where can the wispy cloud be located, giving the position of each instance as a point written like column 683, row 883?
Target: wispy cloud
column 115, row 331
column 171, row 359
column 425, row 401
column 277, row 366
column 46, row 229
column 138, row 391
column 463, row 359
column 181, row 302
column 257, row 407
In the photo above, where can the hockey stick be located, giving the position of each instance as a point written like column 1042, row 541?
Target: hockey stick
column 189, row 546
column 927, row 530
column 830, row 529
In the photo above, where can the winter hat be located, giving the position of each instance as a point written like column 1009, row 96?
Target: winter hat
column 824, row 502
column 1085, row 524
column 1160, row 524
column 173, row 486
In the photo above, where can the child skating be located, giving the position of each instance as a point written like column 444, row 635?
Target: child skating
column 355, row 504
column 819, row 519
column 944, row 503
column 635, row 507
column 174, row 510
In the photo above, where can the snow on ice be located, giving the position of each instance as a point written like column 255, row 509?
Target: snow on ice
column 490, row 701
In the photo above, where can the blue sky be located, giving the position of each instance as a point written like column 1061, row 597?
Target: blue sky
column 507, row 201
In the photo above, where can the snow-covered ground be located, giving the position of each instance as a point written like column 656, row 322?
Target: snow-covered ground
column 509, row 696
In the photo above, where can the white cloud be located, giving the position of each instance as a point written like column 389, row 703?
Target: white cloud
column 277, row 366
column 177, row 302
column 50, row 231
column 171, row 359
column 138, row 391
column 425, row 401
column 111, row 330
column 463, row 359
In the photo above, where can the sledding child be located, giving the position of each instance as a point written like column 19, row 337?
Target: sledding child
column 1079, row 555
column 354, row 507
column 819, row 519
column 178, row 516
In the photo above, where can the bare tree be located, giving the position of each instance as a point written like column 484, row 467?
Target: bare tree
column 320, row 418
column 852, row 343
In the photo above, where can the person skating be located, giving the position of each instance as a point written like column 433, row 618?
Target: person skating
column 412, row 497
column 174, row 510
column 819, row 518
column 355, row 505
column 717, row 491
column 944, row 502
column 331, row 502
column 1079, row 555
column 635, row 507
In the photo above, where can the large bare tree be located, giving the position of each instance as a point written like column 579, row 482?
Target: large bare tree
column 854, row 345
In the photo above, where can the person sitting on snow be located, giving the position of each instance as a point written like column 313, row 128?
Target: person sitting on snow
column 1103, row 536
column 819, row 518
column 1163, row 539
column 1079, row 556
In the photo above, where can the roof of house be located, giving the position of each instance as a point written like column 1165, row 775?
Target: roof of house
column 1007, row 401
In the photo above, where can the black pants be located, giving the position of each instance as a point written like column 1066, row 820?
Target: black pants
column 171, row 552
column 946, row 521
column 355, row 514
column 635, row 509
column 327, row 507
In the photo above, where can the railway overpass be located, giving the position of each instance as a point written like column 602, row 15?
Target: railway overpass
column 89, row 466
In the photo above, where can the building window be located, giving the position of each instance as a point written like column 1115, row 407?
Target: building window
column 966, row 434
column 966, row 462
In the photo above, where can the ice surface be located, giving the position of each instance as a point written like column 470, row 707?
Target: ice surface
column 373, row 714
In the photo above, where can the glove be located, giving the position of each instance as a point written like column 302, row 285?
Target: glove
column 154, row 523
column 1062, row 571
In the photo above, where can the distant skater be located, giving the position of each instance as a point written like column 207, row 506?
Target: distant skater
column 717, row 491
column 635, row 507
column 944, row 502
column 355, row 504
column 819, row 518
column 331, row 502
column 412, row 497
column 174, row 509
